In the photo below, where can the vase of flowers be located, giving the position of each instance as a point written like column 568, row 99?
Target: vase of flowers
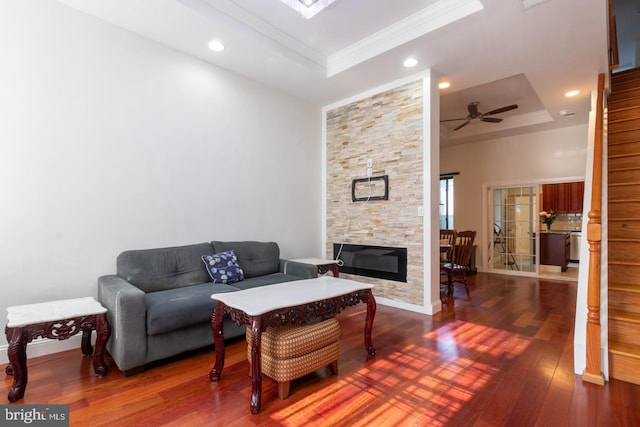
column 547, row 218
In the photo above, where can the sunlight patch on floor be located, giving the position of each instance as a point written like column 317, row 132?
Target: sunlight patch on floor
column 394, row 387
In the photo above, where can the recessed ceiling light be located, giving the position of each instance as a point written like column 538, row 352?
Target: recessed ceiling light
column 444, row 85
column 572, row 93
column 216, row 46
column 410, row 62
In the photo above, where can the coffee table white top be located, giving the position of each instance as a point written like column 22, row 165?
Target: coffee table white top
column 22, row 315
column 263, row 299
column 315, row 261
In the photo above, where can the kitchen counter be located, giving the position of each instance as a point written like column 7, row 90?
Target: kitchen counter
column 554, row 248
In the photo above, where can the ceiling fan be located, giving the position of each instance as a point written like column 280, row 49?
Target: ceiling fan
column 475, row 114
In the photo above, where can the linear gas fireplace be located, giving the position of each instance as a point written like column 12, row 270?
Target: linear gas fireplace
column 382, row 262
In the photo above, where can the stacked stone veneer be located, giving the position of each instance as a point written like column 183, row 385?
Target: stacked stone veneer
column 387, row 128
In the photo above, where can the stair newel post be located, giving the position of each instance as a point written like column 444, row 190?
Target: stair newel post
column 593, row 370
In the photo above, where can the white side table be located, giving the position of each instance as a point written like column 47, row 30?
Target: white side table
column 324, row 265
column 54, row 320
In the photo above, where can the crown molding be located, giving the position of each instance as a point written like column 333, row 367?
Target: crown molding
column 431, row 18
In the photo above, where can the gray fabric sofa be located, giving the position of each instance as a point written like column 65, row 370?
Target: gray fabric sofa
column 159, row 302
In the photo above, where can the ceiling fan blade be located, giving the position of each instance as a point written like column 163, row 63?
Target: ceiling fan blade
column 462, row 125
column 453, row 120
column 501, row 110
column 491, row 119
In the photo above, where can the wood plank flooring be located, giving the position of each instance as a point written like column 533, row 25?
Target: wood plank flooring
column 502, row 358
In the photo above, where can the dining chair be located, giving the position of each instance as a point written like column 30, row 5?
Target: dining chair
column 447, row 237
column 458, row 267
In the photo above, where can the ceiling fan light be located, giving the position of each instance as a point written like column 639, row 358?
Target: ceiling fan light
column 472, row 108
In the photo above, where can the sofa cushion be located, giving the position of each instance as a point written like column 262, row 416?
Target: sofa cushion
column 256, row 258
column 223, row 267
column 269, row 279
column 177, row 308
column 164, row 268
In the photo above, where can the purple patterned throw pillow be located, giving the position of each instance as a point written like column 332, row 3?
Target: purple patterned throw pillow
column 223, row 267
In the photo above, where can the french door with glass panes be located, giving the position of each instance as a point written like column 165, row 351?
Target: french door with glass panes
column 513, row 223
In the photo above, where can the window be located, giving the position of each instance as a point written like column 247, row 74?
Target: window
column 446, row 202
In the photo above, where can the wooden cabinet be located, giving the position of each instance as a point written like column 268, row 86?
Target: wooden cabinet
column 549, row 197
column 576, row 196
column 565, row 197
column 554, row 249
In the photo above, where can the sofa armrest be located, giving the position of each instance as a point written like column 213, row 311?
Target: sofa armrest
column 127, row 316
column 306, row 271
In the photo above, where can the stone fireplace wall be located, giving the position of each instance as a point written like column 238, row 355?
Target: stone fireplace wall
column 387, row 128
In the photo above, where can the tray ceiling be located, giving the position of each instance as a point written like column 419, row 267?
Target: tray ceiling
column 481, row 46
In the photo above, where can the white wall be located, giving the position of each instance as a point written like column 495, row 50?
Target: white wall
column 111, row 142
column 529, row 158
column 431, row 197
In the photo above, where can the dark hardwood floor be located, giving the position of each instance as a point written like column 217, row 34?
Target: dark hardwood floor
column 502, row 358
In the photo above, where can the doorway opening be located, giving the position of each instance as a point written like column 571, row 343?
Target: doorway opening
column 513, row 227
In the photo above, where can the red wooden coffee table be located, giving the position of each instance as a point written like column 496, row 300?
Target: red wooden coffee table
column 299, row 302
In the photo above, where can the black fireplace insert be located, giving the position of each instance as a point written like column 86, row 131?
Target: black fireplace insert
column 382, row 262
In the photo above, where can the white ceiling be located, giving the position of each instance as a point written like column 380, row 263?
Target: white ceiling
column 496, row 52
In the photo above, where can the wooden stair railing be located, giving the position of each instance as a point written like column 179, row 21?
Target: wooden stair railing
column 593, row 370
column 623, row 227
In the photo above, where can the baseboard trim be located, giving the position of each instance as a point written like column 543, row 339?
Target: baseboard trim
column 43, row 347
column 402, row 305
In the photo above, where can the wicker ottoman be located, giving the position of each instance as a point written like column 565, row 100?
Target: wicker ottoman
column 292, row 351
